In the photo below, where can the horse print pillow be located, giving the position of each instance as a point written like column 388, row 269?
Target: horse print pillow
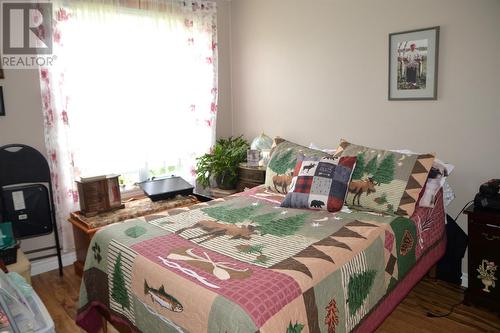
column 283, row 159
column 385, row 181
column 320, row 183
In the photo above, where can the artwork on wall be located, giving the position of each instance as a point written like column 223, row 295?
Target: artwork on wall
column 2, row 107
column 413, row 64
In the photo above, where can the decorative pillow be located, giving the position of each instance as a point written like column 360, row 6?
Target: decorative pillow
column 385, row 181
column 283, row 159
column 330, row 151
column 435, row 181
column 320, row 183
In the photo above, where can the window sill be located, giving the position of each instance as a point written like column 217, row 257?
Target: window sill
column 132, row 193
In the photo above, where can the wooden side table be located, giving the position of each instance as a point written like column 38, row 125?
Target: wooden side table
column 484, row 258
column 82, row 235
column 250, row 176
column 84, row 228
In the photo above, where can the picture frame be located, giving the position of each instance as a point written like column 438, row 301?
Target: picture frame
column 2, row 105
column 253, row 157
column 413, row 64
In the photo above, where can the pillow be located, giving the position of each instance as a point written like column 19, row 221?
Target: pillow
column 385, row 181
column 436, row 180
column 330, row 151
column 320, row 183
column 282, row 163
column 276, row 141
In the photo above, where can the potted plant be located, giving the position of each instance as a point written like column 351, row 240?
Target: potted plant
column 222, row 163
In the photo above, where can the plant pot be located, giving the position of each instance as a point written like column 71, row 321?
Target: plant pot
column 225, row 182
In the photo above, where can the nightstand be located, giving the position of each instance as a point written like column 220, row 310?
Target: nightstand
column 250, row 176
column 484, row 258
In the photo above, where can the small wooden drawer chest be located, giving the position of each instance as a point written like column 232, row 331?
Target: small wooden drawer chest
column 484, row 258
column 250, row 176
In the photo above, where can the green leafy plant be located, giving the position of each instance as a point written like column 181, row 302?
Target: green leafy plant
column 222, row 162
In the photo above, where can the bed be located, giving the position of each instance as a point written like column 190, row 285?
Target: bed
column 244, row 264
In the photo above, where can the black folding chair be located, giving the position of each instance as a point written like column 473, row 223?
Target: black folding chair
column 25, row 201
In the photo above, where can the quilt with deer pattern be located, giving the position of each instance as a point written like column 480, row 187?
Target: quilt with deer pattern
column 244, row 264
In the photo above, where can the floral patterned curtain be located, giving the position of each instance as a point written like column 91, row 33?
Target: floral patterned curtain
column 133, row 86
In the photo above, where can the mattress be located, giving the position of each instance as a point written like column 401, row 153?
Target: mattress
column 244, row 264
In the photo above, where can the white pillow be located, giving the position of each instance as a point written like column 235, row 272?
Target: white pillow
column 326, row 150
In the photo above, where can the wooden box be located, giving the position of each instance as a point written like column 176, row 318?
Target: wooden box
column 99, row 194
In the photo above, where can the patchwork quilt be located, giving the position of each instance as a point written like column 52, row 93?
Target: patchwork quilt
column 245, row 264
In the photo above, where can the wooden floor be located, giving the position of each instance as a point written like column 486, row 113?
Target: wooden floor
column 60, row 295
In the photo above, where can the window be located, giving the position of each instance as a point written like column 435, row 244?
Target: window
column 140, row 87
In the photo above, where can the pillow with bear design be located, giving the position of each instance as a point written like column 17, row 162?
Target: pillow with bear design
column 320, row 183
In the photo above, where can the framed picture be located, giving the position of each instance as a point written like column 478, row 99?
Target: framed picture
column 413, row 64
column 253, row 157
column 2, row 106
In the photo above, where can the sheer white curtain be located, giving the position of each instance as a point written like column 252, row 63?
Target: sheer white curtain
column 133, row 90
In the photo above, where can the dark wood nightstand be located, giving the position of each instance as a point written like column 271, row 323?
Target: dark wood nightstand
column 484, row 258
column 250, row 176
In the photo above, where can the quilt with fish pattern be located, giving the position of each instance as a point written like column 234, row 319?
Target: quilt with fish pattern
column 244, row 264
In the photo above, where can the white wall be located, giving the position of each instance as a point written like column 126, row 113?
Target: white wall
column 23, row 122
column 224, row 125
column 316, row 71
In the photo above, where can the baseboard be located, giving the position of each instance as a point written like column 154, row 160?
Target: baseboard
column 465, row 280
column 49, row 264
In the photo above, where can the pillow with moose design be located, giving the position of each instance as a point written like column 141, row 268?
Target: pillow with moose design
column 320, row 183
column 385, row 181
column 283, row 158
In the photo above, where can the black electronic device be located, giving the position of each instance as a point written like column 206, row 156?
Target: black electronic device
column 166, row 188
column 28, row 208
column 489, row 195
